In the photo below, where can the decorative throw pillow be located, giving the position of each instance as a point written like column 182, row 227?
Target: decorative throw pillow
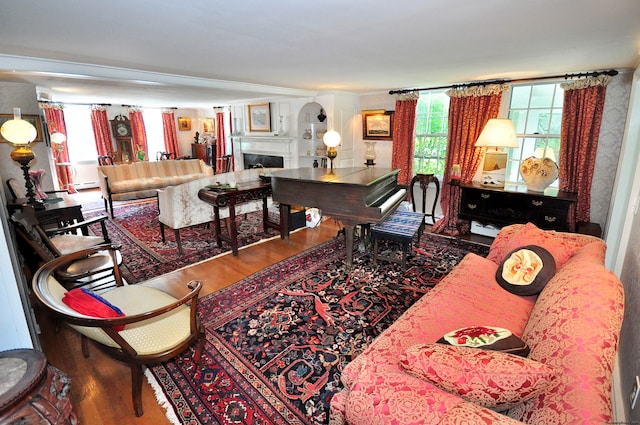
column 526, row 270
column 90, row 304
column 491, row 379
column 488, row 338
column 561, row 246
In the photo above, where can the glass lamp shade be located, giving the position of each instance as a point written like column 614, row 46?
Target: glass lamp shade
column 18, row 132
column 498, row 132
column 58, row 138
column 331, row 138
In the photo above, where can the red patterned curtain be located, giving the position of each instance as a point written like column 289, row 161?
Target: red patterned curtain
column 170, row 134
column 101, row 130
column 139, row 133
column 221, row 141
column 581, row 119
column 404, row 132
column 469, row 110
column 54, row 115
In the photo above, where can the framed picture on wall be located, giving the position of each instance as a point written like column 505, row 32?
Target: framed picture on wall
column 377, row 125
column 259, row 117
column 184, row 123
column 33, row 119
column 209, row 125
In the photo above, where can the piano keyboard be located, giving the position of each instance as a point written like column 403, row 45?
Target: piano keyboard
column 392, row 200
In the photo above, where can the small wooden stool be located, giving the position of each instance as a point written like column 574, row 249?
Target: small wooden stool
column 400, row 227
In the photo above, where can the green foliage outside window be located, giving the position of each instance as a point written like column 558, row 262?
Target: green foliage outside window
column 430, row 149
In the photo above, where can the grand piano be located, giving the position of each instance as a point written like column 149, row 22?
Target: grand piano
column 351, row 195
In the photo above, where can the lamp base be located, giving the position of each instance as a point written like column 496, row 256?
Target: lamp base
column 370, row 163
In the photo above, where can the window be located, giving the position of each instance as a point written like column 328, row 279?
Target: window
column 536, row 112
column 432, row 117
column 81, row 141
column 155, row 132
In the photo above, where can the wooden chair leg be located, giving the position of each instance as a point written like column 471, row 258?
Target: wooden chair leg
column 136, row 388
column 178, row 241
column 84, row 343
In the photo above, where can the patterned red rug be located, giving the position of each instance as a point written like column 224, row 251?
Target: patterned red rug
column 278, row 340
column 137, row 229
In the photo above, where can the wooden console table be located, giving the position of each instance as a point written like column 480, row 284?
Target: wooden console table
column 244, row 192
column 501, row 207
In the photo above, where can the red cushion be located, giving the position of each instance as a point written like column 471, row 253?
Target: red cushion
column 86, row 302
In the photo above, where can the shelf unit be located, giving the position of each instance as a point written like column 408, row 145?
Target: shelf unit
column 308, row 148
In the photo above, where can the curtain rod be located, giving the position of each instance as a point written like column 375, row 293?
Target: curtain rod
column 103, row 104
column 611, row 73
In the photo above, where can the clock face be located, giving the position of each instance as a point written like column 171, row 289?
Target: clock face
column 122, row 130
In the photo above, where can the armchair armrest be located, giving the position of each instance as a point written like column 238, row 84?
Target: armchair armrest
column 82, row 225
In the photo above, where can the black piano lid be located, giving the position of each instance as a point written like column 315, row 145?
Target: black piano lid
column 351, row 175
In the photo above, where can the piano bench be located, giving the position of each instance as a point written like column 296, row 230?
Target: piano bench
column 400, row 228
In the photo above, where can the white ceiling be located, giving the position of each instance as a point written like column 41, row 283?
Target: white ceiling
column 201, row 53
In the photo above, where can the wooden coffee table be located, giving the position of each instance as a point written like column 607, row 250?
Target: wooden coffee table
column 230, row 197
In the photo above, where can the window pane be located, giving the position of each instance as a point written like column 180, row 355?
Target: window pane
column 519, row 119
column 431, row 133
column 538, row 122
column 542, row 96
column 520, row 97
column 80, row 139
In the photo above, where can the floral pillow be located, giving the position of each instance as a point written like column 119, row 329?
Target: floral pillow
column 491, row 379
column 487, row 338
column 526, row 270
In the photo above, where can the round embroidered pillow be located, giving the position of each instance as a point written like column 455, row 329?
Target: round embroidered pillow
column 526, row 270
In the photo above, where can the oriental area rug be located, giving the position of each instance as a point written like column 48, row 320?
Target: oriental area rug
column 278, row 340
column 137, row 229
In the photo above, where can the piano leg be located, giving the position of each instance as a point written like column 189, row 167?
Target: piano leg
column 348, row 237
column 285, row 209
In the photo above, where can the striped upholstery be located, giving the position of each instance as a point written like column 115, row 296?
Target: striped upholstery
column 142, row 179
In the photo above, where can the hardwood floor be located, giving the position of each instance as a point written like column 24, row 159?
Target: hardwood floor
column 101, row 386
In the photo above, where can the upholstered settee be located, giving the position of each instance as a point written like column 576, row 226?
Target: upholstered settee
column 139, row 180
column 571, row 329
column 180, row 206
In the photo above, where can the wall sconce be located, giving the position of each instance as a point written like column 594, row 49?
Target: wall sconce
column 331, row 139
column 20, row 134
column 497, row 133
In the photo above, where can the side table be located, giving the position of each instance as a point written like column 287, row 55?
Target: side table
column 33, row 392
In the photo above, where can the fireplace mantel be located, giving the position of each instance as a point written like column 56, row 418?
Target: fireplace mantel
column 265, row 145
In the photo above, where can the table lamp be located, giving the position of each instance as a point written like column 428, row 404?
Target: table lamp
column 20, row 134
column 331, row 139
column 497, row 133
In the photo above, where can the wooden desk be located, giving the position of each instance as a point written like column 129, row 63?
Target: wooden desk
column 501, row 207
column 60, row 209
column 244, row 192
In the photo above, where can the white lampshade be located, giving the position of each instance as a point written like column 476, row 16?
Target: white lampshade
column 331, row 138
column 58, row 138
column 18, row 131
column 498, row 132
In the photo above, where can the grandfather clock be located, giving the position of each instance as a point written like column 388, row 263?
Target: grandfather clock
column 121, row 130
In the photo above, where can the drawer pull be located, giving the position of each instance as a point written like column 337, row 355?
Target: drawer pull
column 550, row 219
column 485, row 195
column 472, row 206
column 537, row 203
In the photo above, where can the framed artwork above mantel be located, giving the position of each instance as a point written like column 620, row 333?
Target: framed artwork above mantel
column 259, row 117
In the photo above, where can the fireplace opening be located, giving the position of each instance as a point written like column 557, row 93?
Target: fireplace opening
column 266, row 161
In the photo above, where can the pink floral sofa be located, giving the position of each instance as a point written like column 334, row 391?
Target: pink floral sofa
column 571, row 328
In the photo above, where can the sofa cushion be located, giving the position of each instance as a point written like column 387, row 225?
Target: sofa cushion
column 561, row 245
column 526, row 270
column 489, row 378
column 487, row 338
column 401, row 399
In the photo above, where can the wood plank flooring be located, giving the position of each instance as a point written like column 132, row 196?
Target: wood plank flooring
column 101, row 386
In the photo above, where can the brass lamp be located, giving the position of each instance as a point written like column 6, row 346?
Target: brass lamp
column 20, row 134
column 331, row 139
column 497, row 133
